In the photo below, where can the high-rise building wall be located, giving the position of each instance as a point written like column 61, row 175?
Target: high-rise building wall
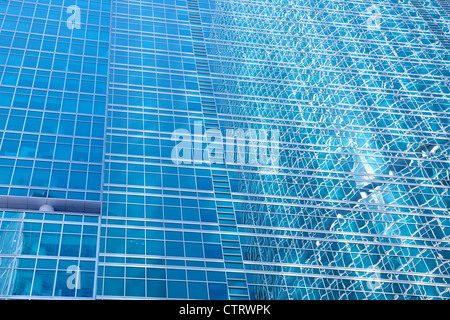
column 160, row 235
column 358, row 206
column 54, row 93
column 54, row 66
column 228, row 149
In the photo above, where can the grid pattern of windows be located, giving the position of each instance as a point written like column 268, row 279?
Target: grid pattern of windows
column 351, row 97
column 53, row 99
column 358, row 206
column 47, row 255
column 160, row 232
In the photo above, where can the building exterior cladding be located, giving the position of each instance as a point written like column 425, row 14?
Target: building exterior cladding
column 115, row 113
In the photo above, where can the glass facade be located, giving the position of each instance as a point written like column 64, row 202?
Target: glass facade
column 227, row 149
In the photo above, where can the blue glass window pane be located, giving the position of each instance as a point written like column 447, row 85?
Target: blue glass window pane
column 9, row 148
column 136, row 211
column 155, row 247
column 49, row 244
column 170, row 181
column 135, row 272
column 89, row 246
column 208, row 215
column 40, row 178
column 135, row 288
column 194, row 250
column 196, row 275
column 198, row 290
column 70, row 245
column 204, row 183
column 26, row 263
column 156, row 273
column 135, row 246
column 80, row 153
column 15, row 123
column 66, row 127
column 63, row 152
column 177, row 289
column 27, row 149
column 176, row 274
column 22, row 282
column 190, row 214
column 135, row 233
column 51, row 227
column 115, row 232
column 216, row 276
column 213, row 251
column 156, row 289
column 32, row 226
column 43, row 283
column 96, row 155
column 61, row 288
column 59, row 179
column 217, row 291
column 45, row 150
column 5, row 175
column 89, row 229
column 87, row 280
column 22, row 176
column 72, row 228
column 33, row 124
column 30, row 243
column 172, row 213
column 77, row 180
column 174, row 249
column 115, row 245
column 83, row 129
column 87, row 265
column 114, row 271
column 113, row 287
column 49, row 125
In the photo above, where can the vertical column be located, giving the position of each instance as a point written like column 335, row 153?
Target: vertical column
column 237, row 284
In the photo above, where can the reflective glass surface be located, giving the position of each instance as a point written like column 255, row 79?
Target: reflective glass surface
column 53, row 99
column 47, row 255
column 267, row 149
